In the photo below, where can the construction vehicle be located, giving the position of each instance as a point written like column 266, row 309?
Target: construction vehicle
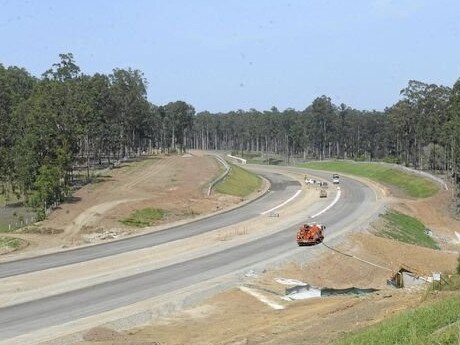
column 310, row 234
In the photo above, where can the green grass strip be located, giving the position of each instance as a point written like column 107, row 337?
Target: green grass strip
column 144, row 217
column 434, row 324
column 411, row 184
column 239, row 182
column 404, row 228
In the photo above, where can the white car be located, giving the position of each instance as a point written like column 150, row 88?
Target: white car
column 335, row 179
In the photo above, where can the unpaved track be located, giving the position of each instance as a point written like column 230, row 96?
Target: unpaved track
column 282, row 188
column 91, row 216
column 160, row 182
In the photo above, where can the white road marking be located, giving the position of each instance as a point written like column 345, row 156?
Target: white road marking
column 337, row 197
column 261, row 298
column 284, row 203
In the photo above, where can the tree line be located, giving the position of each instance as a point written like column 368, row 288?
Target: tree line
column 420, row 130
column 67, row 120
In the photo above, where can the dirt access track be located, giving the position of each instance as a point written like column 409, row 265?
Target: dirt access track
column 176, row 184
column 236, row 316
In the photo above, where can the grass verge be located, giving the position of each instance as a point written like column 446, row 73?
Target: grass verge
column 239, row 182
column 144, row 217
column 411, row 184
column 9, row 243
column 401, row 227
column 438, row 323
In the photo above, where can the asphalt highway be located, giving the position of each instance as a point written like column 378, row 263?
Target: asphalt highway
column 282, row 188
column 356, row 199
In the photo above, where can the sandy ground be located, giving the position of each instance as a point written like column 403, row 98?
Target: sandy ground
column 164, row 182
column 234, row 316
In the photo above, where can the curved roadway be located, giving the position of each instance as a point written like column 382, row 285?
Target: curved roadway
column 18, row 319
column 282, row 187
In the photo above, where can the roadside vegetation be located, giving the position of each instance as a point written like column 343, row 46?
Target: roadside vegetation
column 9, row 243
column 458, row 264
column 404, row 228
column 239, row 182
column 144, row 217
column 107, row 119
column 413, row 185
column 438, row 323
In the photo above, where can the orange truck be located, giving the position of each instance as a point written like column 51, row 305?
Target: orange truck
column 310, row 234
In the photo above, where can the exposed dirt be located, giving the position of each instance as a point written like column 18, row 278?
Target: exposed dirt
column 235, row 317
column 176, row 184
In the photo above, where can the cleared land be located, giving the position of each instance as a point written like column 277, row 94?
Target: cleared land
column 235, row 317
column 174, row 184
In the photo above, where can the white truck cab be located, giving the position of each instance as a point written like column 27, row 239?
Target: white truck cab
column 335, row 179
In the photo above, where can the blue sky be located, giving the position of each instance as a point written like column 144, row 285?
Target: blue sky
column 241, row 54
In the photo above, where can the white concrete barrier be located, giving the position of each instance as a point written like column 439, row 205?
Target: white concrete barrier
column 242, row 160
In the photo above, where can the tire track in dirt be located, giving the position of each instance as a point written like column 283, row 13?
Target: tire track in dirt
column 95, row 213
column 154, row 169
column 91, row 215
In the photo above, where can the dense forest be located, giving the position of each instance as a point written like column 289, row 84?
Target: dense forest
column 66, row 121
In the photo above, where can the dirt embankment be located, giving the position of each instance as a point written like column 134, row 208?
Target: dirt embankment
column 237, row 318
column 175, row 184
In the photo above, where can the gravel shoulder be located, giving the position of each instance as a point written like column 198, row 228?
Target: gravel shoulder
column 235, row 317
column 230, row 315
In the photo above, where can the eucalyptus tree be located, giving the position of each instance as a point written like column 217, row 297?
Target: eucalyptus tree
column 206, row 134
column 323, row 124
column 47, row 126
column 179, row 119
column 16, row 85
column 452, row 129
column 418, row 121
column 129, row 97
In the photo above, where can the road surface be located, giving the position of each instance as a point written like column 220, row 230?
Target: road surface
column 356, row 199
column 282, row 188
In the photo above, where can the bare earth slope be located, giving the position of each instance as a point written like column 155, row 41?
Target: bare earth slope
column 236, row 317
column 176, row 184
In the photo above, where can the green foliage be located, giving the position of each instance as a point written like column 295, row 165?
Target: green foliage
column 392, row 160
column 9, row 242
column 406, row 229
column 71, row 120
column 438, row 323
column 239, row 182
column 144, row 217
column 451, row 283
column 458, row 264
column 413, row 185
column 48, row 189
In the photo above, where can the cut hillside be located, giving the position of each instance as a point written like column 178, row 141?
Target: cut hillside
column 97, row 210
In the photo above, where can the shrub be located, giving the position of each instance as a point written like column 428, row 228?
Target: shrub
column 458, row 263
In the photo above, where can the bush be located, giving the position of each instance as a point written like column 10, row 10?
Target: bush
column 458, row 263
column 392, row 160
